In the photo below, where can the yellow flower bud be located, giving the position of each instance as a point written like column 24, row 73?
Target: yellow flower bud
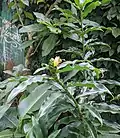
column 57, row 61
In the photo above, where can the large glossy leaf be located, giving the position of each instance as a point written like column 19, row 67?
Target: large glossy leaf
column 109, row 127
column 60, row 106
column 37, row 132
column 90, row 7
column 81, row 67
column 49, row 44
column 22, row 87
column 34, row 101
column 9, row 120
column 31, row 28
column 3, row 109
column 99, row 90
column 48, row 103
column 86, row 2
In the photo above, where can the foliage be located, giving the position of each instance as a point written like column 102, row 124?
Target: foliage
column 48, row 106
column 65, row 99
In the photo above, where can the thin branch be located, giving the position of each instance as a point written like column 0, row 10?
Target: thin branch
column 51, row 7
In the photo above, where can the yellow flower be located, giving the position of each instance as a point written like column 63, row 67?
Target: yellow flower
column 57, row 61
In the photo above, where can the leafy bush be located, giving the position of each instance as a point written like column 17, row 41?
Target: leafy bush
column 61, row 100
column 50, row 106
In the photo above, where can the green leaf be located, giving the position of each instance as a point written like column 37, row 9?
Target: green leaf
column 29, row 15
column 80, row 67
column 9, row 120
column 3, row 109
column 37, row 132
column 6, row 134
column 90, row 7
column 94, row 113
column 91, row 128
column 113, row 82
column 34, row 101
column 27, row 43
column 42, row 18
column 65, row 121
column 70, row 75
column 48, row 103
column 105, row 59
column 115, row 32
column 31, row 28
column 82, row 84
column 39, row 70
column 77, row 2
column 87, row 23
column 118, row 49
column 105, row 1
column 86, row 2
column 26, row 2
column 88, row 30
column 108, row 127
column 39, row 1
column 22, row 87
column 9, row 134
column 49, row 44
column 106, row 108
column 54, row 134
column 99, row 89
column 109, row 136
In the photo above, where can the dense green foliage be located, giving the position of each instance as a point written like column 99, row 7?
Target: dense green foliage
column 72, row 99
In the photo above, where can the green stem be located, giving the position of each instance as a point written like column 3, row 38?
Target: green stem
column 71, row 97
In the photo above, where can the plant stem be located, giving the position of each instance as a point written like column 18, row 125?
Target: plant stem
column 71, row 97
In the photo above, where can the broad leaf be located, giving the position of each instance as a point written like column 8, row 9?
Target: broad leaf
column 9, row 120
column 106, row 108
column 3, row 109
column 115, row 32
column 49, row 44
column 48, row 103
column 90, row 7
column 22, row 87
column 34, row 101
column 32, row 28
